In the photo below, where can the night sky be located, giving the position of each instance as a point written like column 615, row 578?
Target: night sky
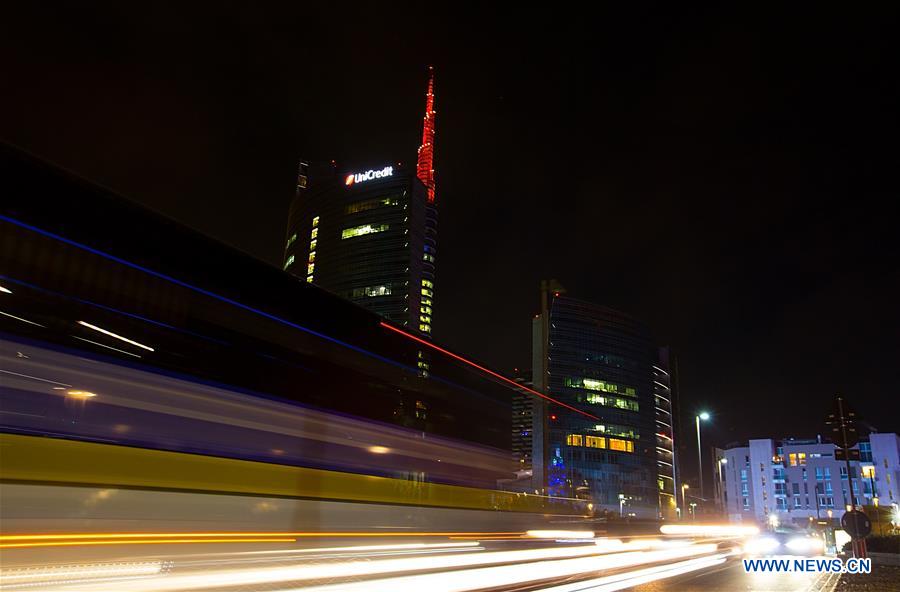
column 729, row 177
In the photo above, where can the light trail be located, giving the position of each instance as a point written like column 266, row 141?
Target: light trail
column 710, row 530
column 359, row 548
column 115, row 335
column 485, row 570
column 145, row 542
column 74, row 573
column 640, row 576
column 485, row 370
column 560, row 534
column 509, row 575
column 5, row 540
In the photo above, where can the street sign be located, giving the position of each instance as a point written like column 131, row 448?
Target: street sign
column 856, row 524
column 842, row 454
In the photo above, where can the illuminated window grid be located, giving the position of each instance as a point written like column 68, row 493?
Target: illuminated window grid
column 363, row 230
column 313, row 242
column 600, row 442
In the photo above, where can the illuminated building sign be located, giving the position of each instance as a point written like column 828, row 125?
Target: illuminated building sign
column 368, row 175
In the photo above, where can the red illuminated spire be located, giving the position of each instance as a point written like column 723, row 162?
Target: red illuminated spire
column 425, row 163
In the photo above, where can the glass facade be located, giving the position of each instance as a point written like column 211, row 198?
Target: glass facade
column 605, row 363
column 371, row 242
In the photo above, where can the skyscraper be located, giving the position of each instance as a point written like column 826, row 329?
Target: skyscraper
column 369, row 233
column 613, row 443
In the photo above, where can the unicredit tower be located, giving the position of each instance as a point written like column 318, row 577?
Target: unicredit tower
column 369, row 233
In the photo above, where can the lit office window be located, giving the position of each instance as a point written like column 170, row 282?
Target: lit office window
column 616, row 402
column 289, row 261
column 617, row 430
column 363, row 230
column 371, row 291
column 574, row 440
column 621, row 445
column 594, row 442
column 371, row 204
column 592, row 384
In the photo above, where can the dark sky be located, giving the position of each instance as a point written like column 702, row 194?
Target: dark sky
column 730, row 176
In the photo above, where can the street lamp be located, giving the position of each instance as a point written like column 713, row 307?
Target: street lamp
column 621, row 505
column 705, row 417
column 720, row 482
column 683, row 496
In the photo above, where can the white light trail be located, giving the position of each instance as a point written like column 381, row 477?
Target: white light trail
column 560, row 534
column 360, row 548
column 640, row 576
column 725, row 530
column 508, row 575
column 527, row 565
column 111, row 334
column 122, row 351
column 6, row 314
column 67, row 574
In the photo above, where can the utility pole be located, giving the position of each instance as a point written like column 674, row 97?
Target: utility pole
column 843, row 428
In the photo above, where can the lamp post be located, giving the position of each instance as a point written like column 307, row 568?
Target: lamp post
column 720, row 485
column 704, row 416
column 684, row 497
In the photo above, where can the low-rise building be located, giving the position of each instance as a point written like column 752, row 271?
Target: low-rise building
column 795, row 481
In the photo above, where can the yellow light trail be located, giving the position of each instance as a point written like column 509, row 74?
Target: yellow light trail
column 91, row 535
column 144, row 542
column 75, row 539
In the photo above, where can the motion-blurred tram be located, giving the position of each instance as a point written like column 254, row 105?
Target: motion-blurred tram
column 150, row 375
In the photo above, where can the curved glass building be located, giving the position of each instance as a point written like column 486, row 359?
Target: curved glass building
column 368, row 235
column 614, row 443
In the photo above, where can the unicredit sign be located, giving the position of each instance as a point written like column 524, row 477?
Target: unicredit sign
column 368, row 175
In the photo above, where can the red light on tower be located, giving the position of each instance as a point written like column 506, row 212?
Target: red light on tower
column 425, row 162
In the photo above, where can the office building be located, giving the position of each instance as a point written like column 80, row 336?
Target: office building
column 522, row 411
column 612, row 442
column 793, row 481
column 368, row 233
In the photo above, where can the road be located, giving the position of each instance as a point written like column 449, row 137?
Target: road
column 730, row 577
column 515, row 561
